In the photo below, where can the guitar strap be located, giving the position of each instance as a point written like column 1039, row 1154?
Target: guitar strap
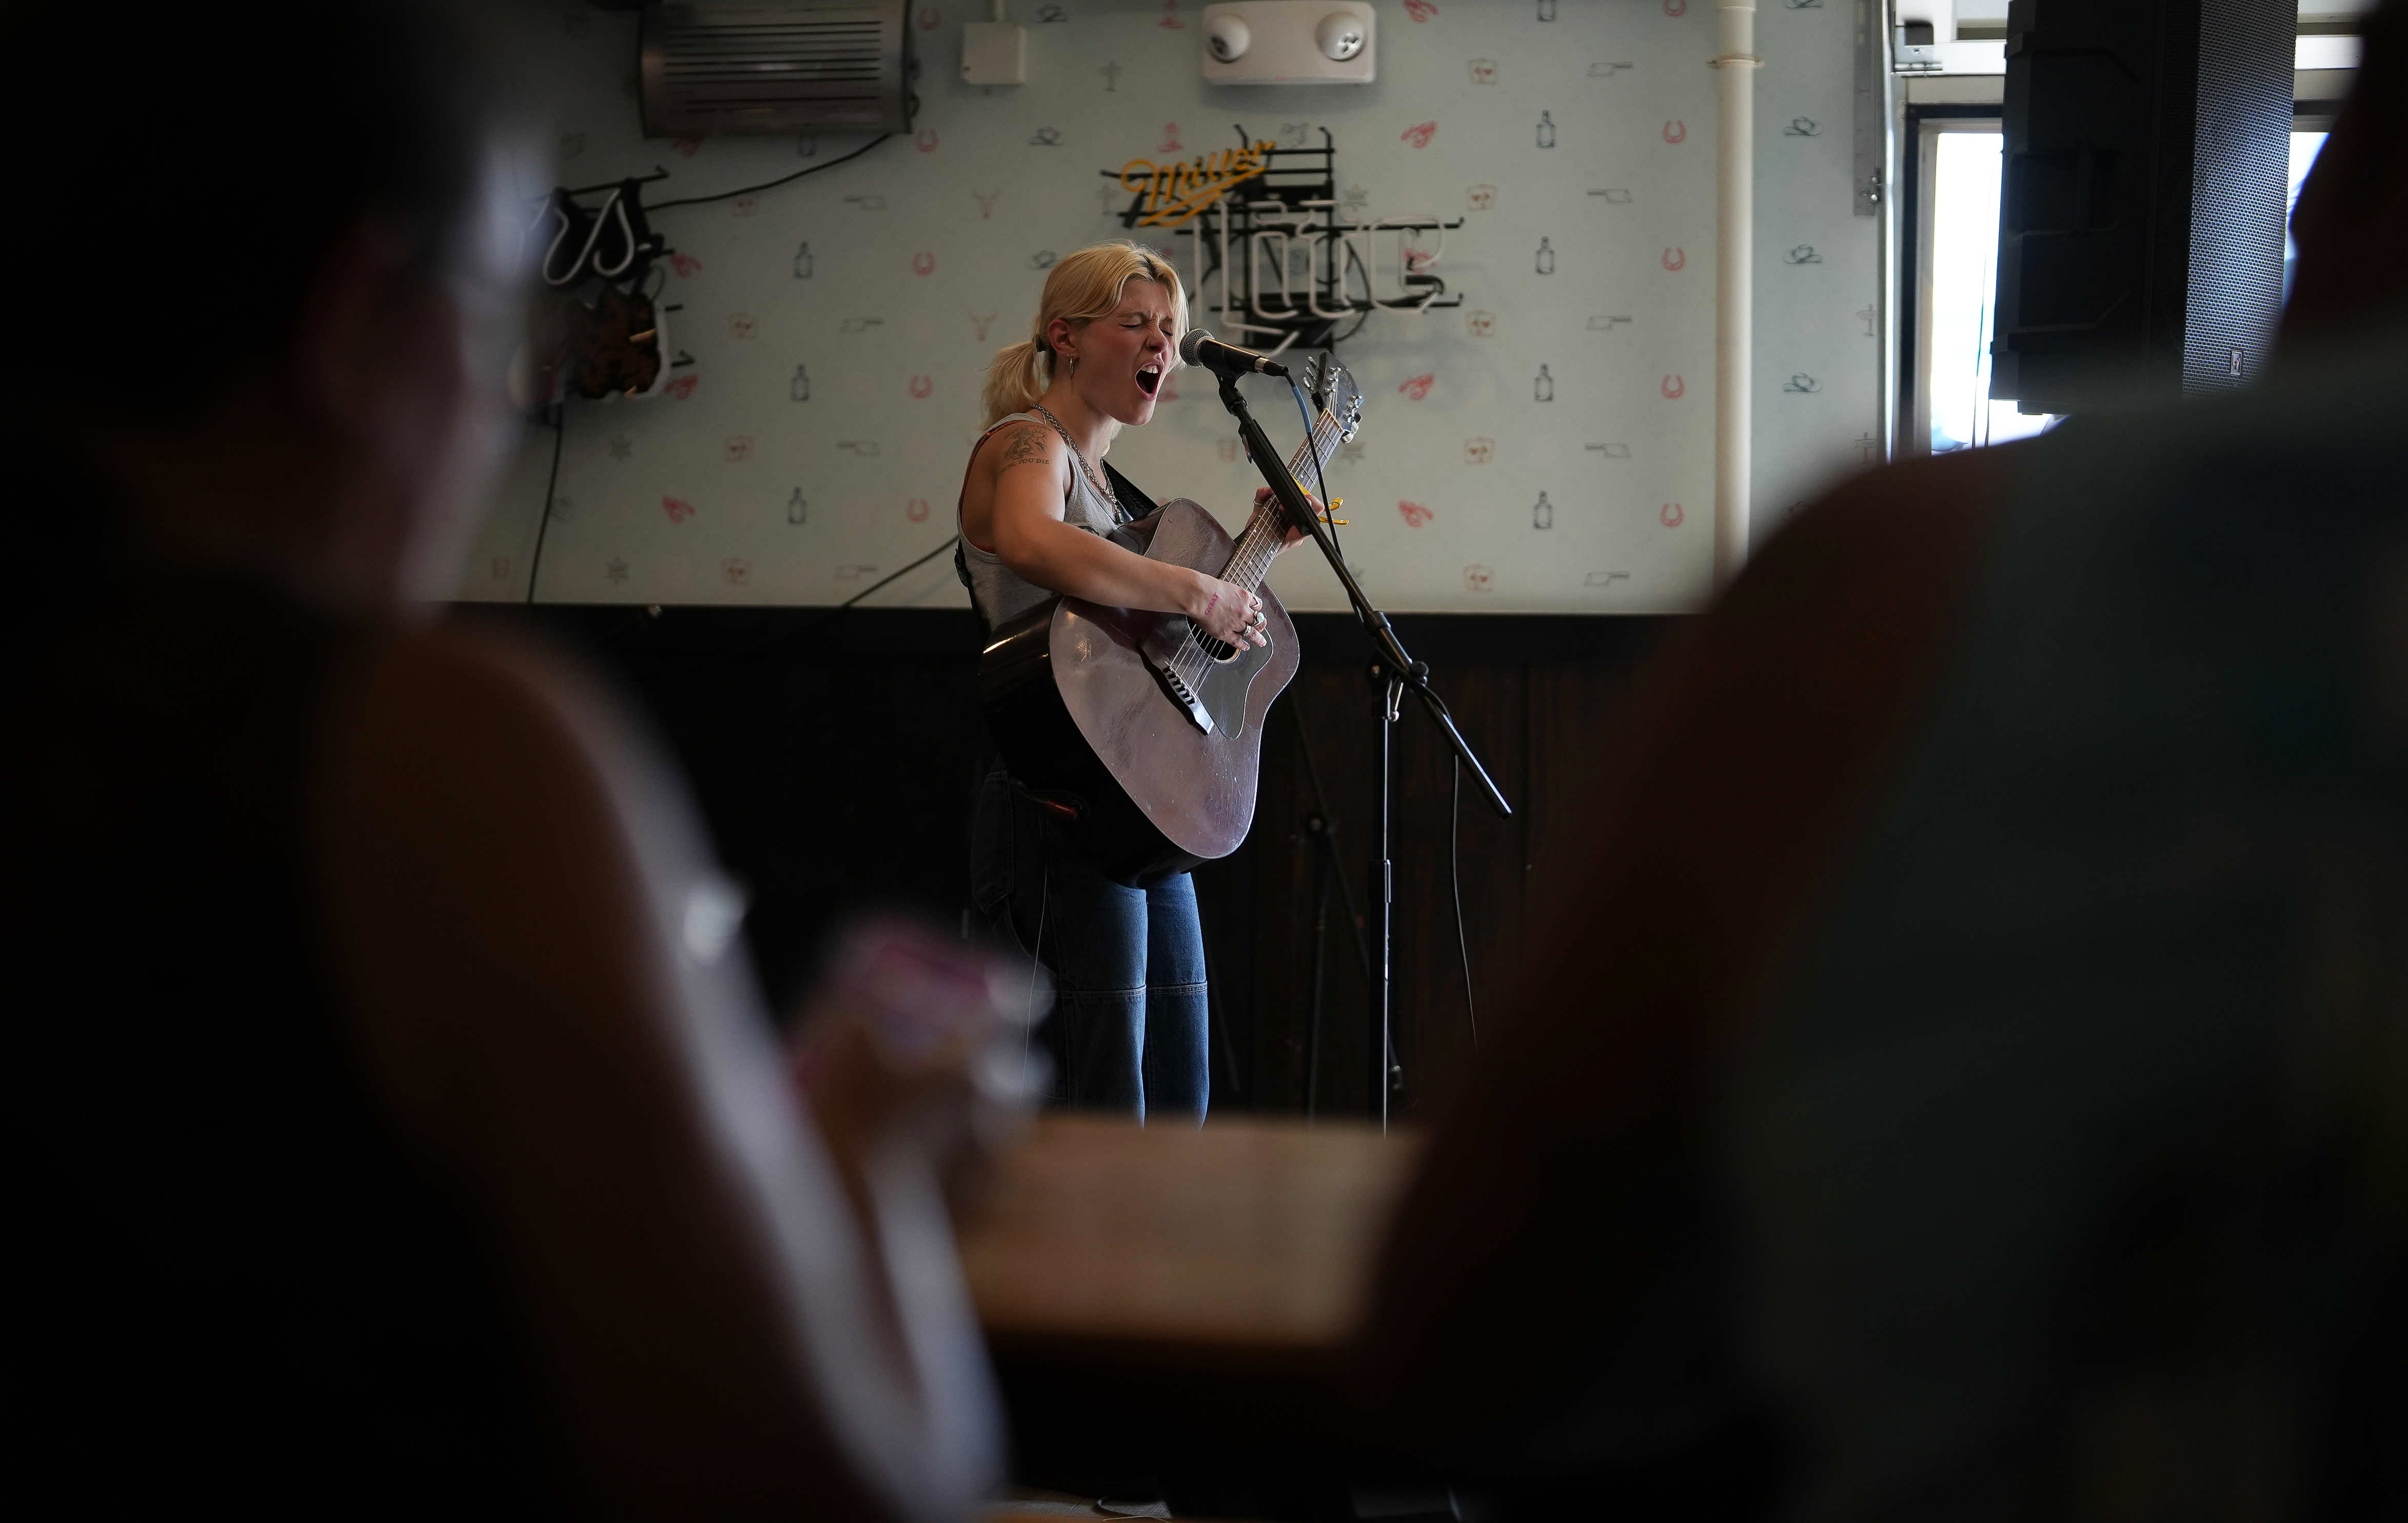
column 1135, row 504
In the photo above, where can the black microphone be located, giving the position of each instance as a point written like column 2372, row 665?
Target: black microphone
column 1201, row 348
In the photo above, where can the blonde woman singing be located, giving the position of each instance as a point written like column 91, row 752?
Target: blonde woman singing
column 1038, row 508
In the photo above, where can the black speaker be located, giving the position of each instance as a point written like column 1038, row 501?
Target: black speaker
column 2147, row 155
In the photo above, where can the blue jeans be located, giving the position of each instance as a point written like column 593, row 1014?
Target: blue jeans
column 1130, row 1028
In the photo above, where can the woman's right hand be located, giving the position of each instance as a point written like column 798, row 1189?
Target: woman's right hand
column 1228, row 613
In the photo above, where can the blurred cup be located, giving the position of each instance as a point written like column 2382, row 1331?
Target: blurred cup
column 916, row 1042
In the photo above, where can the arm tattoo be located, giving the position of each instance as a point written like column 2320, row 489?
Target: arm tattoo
column 1024, row 444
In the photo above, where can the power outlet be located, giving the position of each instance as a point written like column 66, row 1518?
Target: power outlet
column 994, row 52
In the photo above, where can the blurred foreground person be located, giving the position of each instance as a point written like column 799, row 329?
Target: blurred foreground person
column 398, row 1132
column 1970, row 1080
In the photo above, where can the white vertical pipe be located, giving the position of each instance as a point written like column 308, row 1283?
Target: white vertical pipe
column 1894, row 144
column 1735, row 280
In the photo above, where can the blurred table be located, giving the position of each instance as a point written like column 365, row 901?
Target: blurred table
column 1246, row 1241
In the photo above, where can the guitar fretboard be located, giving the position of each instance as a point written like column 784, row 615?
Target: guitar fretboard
column 1261, row 541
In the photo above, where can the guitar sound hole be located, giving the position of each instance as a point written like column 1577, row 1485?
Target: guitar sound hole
column 1217, row 650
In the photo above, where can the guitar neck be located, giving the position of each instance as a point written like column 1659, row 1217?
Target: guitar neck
column 1261, row 541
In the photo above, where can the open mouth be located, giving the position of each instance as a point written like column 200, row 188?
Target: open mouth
column 1148, row 377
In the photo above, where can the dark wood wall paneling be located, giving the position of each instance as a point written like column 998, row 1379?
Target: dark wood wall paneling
column 834, row 754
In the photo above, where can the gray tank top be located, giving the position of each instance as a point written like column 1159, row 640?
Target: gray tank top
column 999, row 593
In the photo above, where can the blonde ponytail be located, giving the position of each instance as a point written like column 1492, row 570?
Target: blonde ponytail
column 1083, row 286
column 1016, row 378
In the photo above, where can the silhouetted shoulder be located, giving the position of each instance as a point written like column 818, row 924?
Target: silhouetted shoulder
column 1885, row 523
column 441, row 717
column 479, row 789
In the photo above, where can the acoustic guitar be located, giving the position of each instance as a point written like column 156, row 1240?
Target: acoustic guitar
column 1139, row 731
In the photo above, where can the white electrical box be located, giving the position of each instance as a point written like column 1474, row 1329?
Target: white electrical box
column 994, row 52
column 1290, row 42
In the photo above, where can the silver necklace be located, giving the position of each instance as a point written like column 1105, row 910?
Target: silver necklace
column 1103, row 488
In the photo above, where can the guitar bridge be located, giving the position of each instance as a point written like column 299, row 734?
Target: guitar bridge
column 1181, row 694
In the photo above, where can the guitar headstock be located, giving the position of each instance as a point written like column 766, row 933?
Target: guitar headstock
column 1333, row 390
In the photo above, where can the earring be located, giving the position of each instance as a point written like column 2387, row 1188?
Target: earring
column 1074, row 367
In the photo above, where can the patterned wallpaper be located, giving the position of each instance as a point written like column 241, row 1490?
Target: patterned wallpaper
column 1545, row 447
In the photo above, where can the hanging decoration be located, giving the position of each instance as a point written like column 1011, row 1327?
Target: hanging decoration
column 597, row 330
column 1171, row 195
column 1291, row 268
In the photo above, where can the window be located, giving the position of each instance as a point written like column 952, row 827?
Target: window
column 2305, row 146
column 1960, row 306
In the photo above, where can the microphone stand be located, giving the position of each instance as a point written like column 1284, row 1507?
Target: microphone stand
column 1394, row 673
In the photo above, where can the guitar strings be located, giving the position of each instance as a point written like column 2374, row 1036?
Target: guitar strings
column 1248, row 566
column 1246, row 569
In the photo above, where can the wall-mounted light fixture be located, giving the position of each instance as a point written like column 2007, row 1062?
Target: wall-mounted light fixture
column 1290, row 42
column 1227, row 35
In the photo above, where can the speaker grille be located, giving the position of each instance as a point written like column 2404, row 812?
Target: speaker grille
column 775, row 68
column 2239, row 169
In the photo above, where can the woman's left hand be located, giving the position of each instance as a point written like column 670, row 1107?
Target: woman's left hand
column 1295, row 530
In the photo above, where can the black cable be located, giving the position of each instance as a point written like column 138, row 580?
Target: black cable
column 1329, row 832
column 1328, row 514
column 1220, row 1023
column 551, row 484
column 1454, row 877
column 882, row 582
column 1035, row 959
column 784, row 637
column 770, row 184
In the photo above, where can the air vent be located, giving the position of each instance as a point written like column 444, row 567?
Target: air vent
column 712, row 69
